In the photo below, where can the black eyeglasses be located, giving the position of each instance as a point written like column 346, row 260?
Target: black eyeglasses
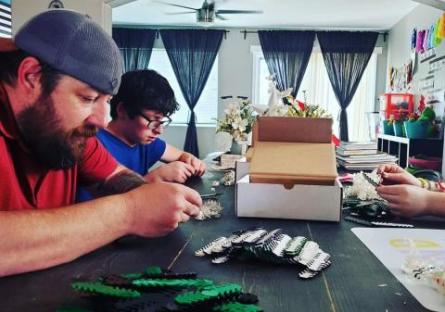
column 155, row 124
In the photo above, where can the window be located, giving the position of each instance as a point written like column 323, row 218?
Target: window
column 5, row 18
column 206, row 108
column 317, row 88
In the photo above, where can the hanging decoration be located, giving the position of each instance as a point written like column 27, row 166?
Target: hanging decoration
column 423, row 40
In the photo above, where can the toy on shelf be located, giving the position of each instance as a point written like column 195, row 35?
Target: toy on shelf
column 396, row 103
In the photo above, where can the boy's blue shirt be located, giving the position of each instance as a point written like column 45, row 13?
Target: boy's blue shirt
column 138, row 158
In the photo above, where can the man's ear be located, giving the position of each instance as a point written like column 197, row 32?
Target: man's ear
column 28, row 75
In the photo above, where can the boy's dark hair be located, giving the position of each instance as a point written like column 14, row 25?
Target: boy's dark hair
column 10, row 64
column 144, row 89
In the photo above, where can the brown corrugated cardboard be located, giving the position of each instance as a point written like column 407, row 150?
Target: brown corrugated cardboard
column 293, row 129
column 293, row 163
column 290, row 151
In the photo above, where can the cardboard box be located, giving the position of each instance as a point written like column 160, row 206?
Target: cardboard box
column 292, row 129
column 291, row 171
column 301, row 202
column 293, row 163
column 290, row 151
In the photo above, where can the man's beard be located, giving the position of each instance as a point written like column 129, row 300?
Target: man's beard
column 51, row 145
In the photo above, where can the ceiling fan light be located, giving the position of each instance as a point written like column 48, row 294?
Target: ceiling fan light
column 205, row 23
column 205, row 16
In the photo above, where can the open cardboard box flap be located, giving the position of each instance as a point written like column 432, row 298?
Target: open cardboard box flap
column 290, row 151
column 292, row 129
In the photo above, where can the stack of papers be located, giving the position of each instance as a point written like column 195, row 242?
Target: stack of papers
column 362, row 156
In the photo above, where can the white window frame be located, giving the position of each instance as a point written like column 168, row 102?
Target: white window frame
column 5, row 19
column 179, row 95
column 257, row 56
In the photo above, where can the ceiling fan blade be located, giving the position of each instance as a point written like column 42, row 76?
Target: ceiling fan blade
column 237, row 12
column 179, row 13
column 220, row 17
column 177, row 5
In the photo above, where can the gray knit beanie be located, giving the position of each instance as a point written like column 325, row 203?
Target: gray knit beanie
column 75, row 45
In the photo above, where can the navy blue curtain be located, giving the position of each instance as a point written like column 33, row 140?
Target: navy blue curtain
column 192, row 53
column 287, row 54
column 135, row 46
column 346, row 55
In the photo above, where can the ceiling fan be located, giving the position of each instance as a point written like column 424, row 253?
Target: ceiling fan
column 207, row 13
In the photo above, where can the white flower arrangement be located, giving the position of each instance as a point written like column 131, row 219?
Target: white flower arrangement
column 283, row 104
column 238, row 120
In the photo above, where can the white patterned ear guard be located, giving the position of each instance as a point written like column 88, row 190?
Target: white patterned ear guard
column 273, row 246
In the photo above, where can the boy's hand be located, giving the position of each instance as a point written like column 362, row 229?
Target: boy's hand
column 198, row 165
column 175, row 171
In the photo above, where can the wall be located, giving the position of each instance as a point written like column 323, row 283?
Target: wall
column 399, row 44
column 399, row 51
column 23, row 10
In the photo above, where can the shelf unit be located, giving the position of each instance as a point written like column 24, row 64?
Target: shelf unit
column 403, row 148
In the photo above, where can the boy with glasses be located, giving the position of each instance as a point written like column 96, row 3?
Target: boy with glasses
column 140, row 111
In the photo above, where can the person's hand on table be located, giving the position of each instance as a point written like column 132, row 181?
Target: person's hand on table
column 393, row 174
column 198, row 165
column 156, row 209
column 176, row 171
column 405, row 200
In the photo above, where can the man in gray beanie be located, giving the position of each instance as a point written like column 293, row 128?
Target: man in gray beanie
column 56, row 79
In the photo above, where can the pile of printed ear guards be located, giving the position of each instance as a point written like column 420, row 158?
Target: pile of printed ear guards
column 273, row 246
column 157, row 289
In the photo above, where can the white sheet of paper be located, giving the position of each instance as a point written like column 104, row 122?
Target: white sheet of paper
column 391, row 247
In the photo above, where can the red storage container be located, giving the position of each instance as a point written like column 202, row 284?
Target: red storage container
column 394, row 103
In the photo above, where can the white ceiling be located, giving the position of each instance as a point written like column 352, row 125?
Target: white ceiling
column 300, row 14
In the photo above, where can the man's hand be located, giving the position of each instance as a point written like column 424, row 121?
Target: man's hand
column 175, row 171
column 156, row 209
column 405, row 200
column 198, row 165
column 393, row 174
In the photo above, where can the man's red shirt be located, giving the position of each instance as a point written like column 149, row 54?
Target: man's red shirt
column 26, row 184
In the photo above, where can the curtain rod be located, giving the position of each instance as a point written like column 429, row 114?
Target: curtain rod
column 224, row 30
column 158, row 29
column 245, row 32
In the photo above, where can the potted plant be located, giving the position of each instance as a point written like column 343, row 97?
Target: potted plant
column 397, row 120
column 388, row 126
column 420, row 127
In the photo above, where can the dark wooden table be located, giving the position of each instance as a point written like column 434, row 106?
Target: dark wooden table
column 356, row 280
